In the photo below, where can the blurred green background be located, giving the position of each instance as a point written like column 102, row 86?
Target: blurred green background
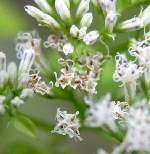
column 13, row 19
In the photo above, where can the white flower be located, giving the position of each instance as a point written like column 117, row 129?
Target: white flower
column 2, row 107
column 2, row 61
column 100, row 113
column 27, row 60
column 41, row 17
column 138, row 136
column 91, row 37
column 110, row 20
column 132, row 24
column 126, row 71
column 68, row 48
column 39, row 86
column 82, row 33
column 105, row 112
column 63, row 10
column 43, row 5
column 83, row 8
column 86, row 20
column 67, row 124
column 27, row 92
column 25, row 66
column 56, row 42
column 17, row 101
column 140, row 50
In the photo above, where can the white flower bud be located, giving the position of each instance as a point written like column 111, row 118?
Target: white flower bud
column 91, row 37
column 50, row 21
column 108, row 5
column 43, row 5
column 110, row 20
column 132, row 24
column 82, row 32
column 34, row 12
column 12, row 71
column 2, row 61
column 2, row 108
column 68, row 48
column 26, row 93
column 17, row 101
column 41, row 17
column 86, row 20
column 146, row 16
column 63, row 10
column 83, row 8
column 3, row 77
column 74, row 30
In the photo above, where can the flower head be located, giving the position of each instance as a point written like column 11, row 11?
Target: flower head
column 67, row 124
column 126, row 71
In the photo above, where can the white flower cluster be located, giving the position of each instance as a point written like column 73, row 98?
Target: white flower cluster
column 109, row 8
column 105, row 112
column 84, row 77
column 67, row 124
column 138, row 136
column 137, row 22
column 140, row 50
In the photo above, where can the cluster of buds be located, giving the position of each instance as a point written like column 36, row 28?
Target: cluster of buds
column 138, row 136
column 137, row 22
column 140, row 50
column 105, row 112
column 83, row 75
column 67, row 124
column 127, row 73
column 109, row 9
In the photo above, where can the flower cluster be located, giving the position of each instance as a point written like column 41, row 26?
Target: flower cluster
column 83, row 75
column 105, row 112
column 67, row 124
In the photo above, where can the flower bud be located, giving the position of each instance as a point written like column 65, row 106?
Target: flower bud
column 82, row 32
column 83, row 8
column 132, row 24
column 110, row 20
column 2, row 61
column 91, row 37
column 41, row 17
column 50, row 22
column 146, row 16
column 63, row 10
column 34, row 12
column 74, row 31
column 68, row 48
column 43, row 5
column 12, row 71
column 86, row 20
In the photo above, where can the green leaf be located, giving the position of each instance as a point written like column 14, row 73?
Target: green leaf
column 24, row 125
